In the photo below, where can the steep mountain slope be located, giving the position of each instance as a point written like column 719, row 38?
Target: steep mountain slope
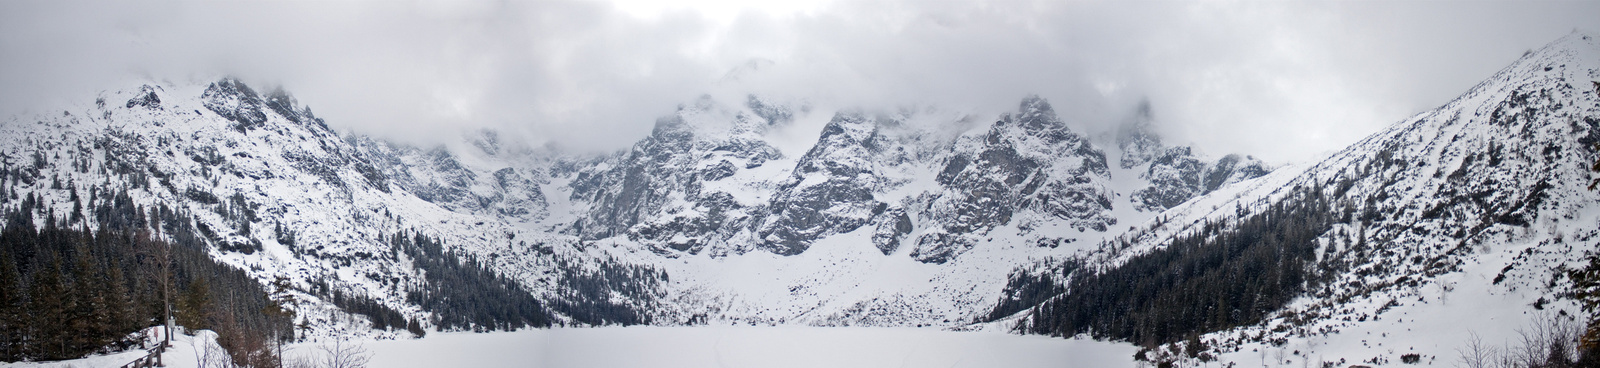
column 1456, row 220
column 270, row 189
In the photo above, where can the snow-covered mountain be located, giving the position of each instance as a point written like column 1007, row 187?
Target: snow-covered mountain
column 891, row 217
column 264, row 183
column 908, row 217
column 1457, row 221
column 883, row 217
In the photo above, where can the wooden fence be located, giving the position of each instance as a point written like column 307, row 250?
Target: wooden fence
column 149, row 360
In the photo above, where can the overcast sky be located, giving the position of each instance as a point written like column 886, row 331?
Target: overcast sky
column 1282, row 80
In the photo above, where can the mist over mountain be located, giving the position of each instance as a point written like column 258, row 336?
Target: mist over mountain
column 1031, row 190
column 1274, row 80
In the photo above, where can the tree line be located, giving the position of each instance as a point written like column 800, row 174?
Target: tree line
column 463, row 293
column 1227, row 274
column 67, row 291
column 609, row 293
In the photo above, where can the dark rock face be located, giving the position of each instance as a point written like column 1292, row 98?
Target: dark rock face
column 1176, row 174
column 1179, row 174
column 235, row 101
column 890, row 228
column 320, row 166
column 285, row 105
column 772, row 113
column 831, row 190
column 639, row 183
column 670, row 191
column 451, row 181
column 375, row 177
column 515, row 194
column 1138, row 142
column 1231, row 169
column 655, row 193
column 721, row 170
column 146, row 98
column 1029, row 161
column 1174, row 177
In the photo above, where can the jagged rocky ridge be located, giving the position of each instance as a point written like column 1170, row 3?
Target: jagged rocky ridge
column 1175, row 173
column 1026, row 162
column 269, row 189
column 956, row 200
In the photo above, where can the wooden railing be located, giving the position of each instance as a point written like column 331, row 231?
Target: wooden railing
column 149, row 360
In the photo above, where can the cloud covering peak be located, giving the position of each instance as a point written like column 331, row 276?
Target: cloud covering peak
column 1284, row 81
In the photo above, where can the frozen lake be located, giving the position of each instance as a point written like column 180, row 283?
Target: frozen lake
column 666, row 347
column 784, row 346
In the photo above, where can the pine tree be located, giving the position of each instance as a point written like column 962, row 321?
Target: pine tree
column 87, row 322
column 11, row 311
column 278, row 310
column 118, row 311
column 77, row 208
column 48, row 308
column 416, row 328
column 194, row 306
column 158, row 264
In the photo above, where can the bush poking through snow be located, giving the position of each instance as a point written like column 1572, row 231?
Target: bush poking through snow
column 1552, row 341
column 341, row 353
column 207, row 353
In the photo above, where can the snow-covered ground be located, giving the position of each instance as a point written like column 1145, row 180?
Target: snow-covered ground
column 112, row 360
column 186, row 352
column 713, row 346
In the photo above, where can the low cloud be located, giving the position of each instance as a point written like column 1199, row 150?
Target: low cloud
column 1285, row 81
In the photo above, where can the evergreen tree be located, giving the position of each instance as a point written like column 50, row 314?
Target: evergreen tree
column 77, row 210
column 279, row 301
column 416, row 328
column 86, row 317
column 11, row 311
column 48, row 308
column 194, row 306
column 118, row 311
